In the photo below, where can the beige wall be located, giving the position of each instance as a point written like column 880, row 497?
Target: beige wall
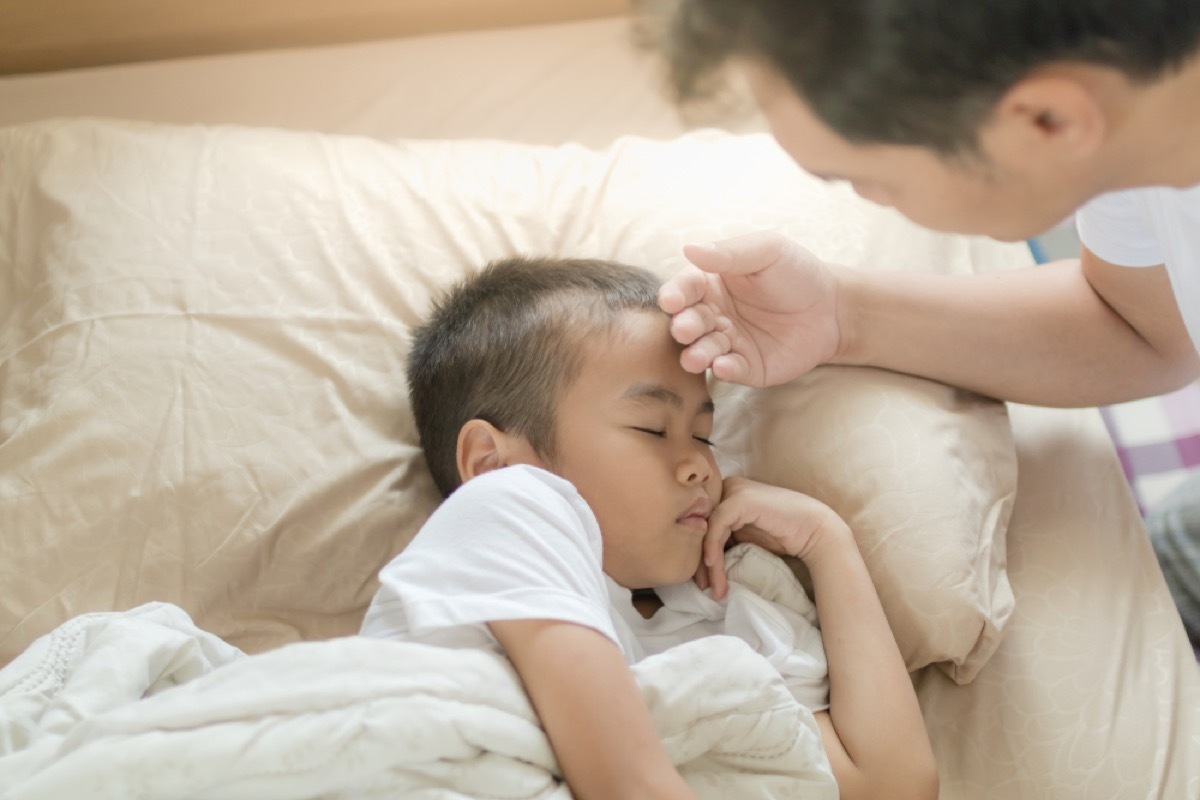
column 43, row 35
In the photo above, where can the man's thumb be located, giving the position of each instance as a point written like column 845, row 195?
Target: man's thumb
column 739, row 255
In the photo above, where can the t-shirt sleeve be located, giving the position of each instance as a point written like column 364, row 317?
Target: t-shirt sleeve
column 515, row 543
column 1115, row 227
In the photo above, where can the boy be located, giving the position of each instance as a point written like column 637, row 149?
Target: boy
column 572, row 448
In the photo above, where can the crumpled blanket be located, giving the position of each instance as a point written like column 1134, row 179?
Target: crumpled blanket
column 142, row 704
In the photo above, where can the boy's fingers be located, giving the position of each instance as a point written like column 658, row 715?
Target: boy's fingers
column 713, row 548
column 720, row 528
column 720, row 582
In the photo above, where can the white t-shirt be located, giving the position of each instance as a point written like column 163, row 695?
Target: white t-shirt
column 1146, row 227
column 521, row 543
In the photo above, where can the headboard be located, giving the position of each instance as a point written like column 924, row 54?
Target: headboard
column 51, row 35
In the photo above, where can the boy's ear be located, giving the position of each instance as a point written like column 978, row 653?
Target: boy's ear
column 482, row 447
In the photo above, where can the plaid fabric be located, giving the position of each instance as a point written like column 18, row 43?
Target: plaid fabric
column 1158, row 441
column 1174, row 529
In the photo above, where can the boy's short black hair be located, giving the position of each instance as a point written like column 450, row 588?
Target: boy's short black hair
column 916, row 72
column 504, row 343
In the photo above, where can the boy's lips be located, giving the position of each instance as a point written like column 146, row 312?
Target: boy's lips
column 697, row 514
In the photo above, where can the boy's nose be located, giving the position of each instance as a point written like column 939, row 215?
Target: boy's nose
column 694, row 469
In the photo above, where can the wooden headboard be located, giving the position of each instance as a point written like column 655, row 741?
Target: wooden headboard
column 45, row 35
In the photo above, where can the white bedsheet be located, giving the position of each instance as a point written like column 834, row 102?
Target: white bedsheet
column 142, row 704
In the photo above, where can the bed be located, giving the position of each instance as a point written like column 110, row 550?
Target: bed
column 209, row 267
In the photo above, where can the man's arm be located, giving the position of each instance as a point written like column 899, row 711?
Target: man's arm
column 1071, row 333
column 592, row 709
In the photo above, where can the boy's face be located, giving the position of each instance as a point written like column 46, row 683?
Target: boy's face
column 629, row 435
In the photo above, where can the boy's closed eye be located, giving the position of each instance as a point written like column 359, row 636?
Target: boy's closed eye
column 662, row 435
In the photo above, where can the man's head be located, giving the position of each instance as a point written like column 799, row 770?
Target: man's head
column 989, row 116
column 568, row 365
column 922, row 72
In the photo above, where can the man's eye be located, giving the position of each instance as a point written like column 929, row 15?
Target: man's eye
column 652, row 432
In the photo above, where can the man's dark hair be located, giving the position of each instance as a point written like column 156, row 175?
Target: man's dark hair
column 503, row 344
column 916, row 72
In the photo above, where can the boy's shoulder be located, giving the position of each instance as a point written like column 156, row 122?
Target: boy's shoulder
column 518, row 481
column 523, row 491
column 516, row 477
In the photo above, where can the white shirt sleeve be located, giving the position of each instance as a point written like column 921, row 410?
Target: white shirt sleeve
column 515, row 543
column 1115, row 227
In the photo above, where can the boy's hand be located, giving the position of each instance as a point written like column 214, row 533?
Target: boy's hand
column 779, row 520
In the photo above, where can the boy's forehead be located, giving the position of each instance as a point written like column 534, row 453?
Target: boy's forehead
column 646, row 391
column 637, row 359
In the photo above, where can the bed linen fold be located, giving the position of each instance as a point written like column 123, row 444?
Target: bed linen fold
column 142, row 704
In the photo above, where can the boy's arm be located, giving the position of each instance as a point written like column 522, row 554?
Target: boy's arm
column 873, row 731
column 592, row 710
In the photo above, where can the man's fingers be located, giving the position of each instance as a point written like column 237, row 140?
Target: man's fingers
column 739, row 255
column 684, row 288
column 692, row 323
column 731, row 368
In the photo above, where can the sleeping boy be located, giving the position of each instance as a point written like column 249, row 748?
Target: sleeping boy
column 573, row 453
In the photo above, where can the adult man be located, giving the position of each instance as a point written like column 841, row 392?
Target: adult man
column 996, row 117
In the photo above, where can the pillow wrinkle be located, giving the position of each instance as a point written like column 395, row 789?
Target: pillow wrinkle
column 203, row 348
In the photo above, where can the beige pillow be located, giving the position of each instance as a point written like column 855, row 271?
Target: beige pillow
column 202, row 341
column 924, row 475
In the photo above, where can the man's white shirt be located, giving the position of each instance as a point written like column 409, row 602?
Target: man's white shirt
column 1150, row 226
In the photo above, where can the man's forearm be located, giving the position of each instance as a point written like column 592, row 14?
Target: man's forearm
column 1043, row 335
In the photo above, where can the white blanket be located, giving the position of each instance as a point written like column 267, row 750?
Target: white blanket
column 143, row 704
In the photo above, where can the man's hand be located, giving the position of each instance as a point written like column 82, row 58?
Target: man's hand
column 779, row 520
column 758, row 309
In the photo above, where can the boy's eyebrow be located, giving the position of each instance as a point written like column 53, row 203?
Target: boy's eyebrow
column 650, row 391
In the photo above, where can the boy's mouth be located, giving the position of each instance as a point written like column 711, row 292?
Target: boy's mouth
column 696, row 515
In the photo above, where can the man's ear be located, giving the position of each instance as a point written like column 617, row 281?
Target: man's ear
column 482, row 447
column 1056, row 117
